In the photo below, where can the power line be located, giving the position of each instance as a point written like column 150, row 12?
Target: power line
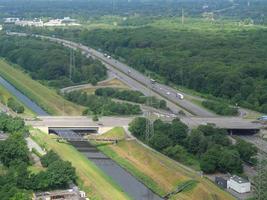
column 149, row 120
column 72, row 63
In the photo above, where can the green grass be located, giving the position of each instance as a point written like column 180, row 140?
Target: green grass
column 119, row 134
column 91, row 179
column 35, row 169
column 47, row 98
column 158, row 172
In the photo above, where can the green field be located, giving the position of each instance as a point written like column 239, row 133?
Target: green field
column 91, row 179
column 158, row 172
column 47, row 98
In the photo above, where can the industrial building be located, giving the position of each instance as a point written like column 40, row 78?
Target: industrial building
column 70, row 194
column 235, row 183
column 239, row 184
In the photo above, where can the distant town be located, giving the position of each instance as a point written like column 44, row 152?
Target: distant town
column 37, row 22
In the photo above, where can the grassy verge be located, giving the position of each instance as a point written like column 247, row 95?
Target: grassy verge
column 158, row 172
column 47, row 98
column 91, row 179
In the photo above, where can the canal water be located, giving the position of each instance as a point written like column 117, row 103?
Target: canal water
column 25, row 100
column 124, row 179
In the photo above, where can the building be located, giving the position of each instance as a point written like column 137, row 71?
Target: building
column 11, row 20
column 239, row 184
column 54, row 22
column 1, row 27
column 66, row 21
column 70, row 194
column 35, row 23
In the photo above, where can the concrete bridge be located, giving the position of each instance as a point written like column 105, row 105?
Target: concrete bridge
column 234, row 125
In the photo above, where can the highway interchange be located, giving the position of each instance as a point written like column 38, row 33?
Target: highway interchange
column 195, row 115
column 137, row 80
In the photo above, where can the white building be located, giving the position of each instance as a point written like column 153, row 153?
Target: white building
column 239, row 184
column 54, row 22
column 1, row 27
column 11, row 20
column 35, row 22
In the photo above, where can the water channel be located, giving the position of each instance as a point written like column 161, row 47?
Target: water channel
column 21, row 97
column 129, row 184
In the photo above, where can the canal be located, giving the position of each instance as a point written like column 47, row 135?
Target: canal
column 124, row 179
column 21, row 97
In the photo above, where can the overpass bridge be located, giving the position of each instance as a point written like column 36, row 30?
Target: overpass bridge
column 85, row 125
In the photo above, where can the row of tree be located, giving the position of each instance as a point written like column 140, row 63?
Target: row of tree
column 16, row 181
column 220, row 108
column 99, row 105
column 50, row 62
column 131, row 95
column 208, row 145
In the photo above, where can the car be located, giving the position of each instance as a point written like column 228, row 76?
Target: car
column 168, row 93
column 180, row 96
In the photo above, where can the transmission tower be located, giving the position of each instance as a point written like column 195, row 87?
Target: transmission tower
column 182, row 16
column 261, row 181
column 149, row 120
column 72, row 63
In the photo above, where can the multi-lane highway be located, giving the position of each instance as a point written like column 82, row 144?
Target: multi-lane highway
column 135, row 79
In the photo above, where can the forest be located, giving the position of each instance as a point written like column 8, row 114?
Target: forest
column 50, row 63
column 229, row 64
column 205, row 146
column 16, row 180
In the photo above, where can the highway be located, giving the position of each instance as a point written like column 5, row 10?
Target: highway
column 135, row 79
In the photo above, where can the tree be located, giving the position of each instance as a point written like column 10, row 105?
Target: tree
column 210, row 159
column 49, row 158
column 196, row 143
column 14, row 149
column 246, row 150
column 230, row 161
column 138, row 126
column 178, row 132
column 160, row 141
column 60, row 174
column 176, row 152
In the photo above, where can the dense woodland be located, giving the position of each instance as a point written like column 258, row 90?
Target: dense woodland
column 227, row 64
column 50, row 62
column 16, row 181
column 100, row 105
column 206, row 146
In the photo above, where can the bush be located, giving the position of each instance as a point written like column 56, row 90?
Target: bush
column 98, row 105
column 220, row 108
column 49, row 158
column 15, row 106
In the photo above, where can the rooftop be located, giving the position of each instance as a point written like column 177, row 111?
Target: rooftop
column 239, row 179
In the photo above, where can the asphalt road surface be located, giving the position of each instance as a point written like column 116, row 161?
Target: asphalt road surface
column 135, row 79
